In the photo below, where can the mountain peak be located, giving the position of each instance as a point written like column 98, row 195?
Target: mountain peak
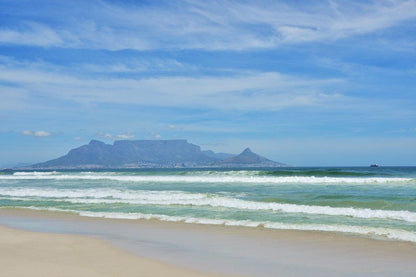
column 247, row 151
column 248, row 158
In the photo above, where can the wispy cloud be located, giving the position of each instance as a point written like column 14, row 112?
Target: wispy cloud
column 33, row 34
column 109, row 136
column 213, row 25
column 36, row 133
column 270, row 91
column 148, row 65
column 243, row 91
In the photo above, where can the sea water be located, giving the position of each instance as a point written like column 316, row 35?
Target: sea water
column 373, row 202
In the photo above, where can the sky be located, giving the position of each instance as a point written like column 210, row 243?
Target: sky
column 308, row 83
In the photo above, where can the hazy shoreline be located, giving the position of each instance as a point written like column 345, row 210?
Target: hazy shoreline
column 231, row 250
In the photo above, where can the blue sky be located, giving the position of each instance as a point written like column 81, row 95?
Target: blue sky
column 302, row 82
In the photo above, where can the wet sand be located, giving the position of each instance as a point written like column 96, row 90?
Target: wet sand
column 191, row 248
column 24, row 253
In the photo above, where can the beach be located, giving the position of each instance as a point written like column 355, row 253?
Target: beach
column 26, row 253
column 64, row 244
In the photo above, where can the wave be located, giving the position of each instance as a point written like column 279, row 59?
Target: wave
column 34, row 173
column 205, row 178
column 330, row 172
column 101, row 193
column 374, row 232
column 109, row 196
column 319, row 173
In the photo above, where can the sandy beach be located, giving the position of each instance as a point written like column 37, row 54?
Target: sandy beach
column 24, row 253
column 85, row 246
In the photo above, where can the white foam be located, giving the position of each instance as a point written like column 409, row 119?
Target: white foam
column 145, row 197
column 35, row 173
column 374, row 232
column 101, row 193
column 204, row 178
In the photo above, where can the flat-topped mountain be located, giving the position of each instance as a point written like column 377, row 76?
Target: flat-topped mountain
column 151, row 153
column 132, row 153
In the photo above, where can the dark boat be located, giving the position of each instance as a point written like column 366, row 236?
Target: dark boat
column 373, row 165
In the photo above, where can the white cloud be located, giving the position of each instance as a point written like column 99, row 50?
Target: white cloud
column 259, row 24
column 209, row 25
column 25, row 83
column 243, row 91
column 138, row 66
column 36, row 133
column 32, row 34
column 42, row 134
column 123, row 136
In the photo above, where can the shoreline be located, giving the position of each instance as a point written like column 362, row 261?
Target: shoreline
column 46, row 254
column 217, row 249
column 383, row 236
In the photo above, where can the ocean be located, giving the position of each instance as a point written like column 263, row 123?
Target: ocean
column 379, row 203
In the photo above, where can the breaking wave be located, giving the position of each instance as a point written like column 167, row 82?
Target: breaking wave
column 97, row 196
column 206, row 178
column 375, row 232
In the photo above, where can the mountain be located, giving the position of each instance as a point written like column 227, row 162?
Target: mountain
column 249, row 159
column 150, row 154
column 132, row 153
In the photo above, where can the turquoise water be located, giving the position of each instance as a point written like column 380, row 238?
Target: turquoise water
column 375, row 202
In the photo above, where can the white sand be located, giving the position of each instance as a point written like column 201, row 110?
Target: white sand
column 34, row 254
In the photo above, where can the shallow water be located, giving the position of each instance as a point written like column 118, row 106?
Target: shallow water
column 374, row 202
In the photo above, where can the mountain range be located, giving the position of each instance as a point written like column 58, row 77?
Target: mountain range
column 152, row 154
